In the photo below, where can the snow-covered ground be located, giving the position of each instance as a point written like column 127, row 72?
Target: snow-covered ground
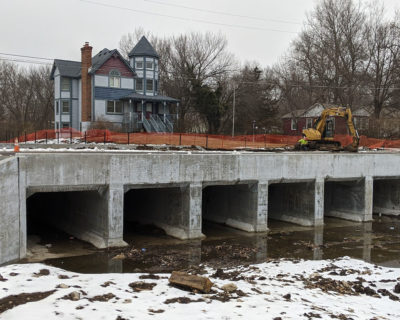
column 338, row 289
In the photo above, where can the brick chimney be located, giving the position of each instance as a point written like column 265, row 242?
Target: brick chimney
column 86, row 53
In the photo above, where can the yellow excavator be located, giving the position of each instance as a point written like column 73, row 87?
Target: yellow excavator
column 321, row 135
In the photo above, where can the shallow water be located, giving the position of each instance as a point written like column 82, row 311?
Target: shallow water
column 152, row 251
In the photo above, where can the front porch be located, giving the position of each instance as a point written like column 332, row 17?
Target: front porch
column 149, row 113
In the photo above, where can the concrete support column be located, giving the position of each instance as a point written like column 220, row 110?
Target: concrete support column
column 115, row 217
column 192, row 218
column 368, row 198
column 261, row 221
column 319, row 189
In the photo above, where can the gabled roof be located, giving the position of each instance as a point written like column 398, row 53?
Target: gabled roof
column 143, row 48
column 99, row 59
column 67, row 68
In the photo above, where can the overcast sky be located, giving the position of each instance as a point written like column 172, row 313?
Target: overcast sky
column 257, row 30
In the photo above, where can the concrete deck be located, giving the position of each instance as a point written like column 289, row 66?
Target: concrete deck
column 90, row 194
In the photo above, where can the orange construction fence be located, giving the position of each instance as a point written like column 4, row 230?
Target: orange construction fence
column 187, row 139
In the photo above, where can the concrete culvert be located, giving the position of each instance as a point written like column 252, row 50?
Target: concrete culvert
column 345, row 199
column 163, row 207
column 232, row 205
column 387, row 197
column 80, row 214
column 292, row 202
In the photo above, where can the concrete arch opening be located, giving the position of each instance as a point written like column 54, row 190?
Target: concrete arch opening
column 167, row 207
column 294, row 202
column 56, row 216
column 386, row 199
column 234, row 205
column 349, row 199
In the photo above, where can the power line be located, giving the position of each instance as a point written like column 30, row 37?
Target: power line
column 222, row 13
column 295, row 84
column 23, row 56
column 101, row 4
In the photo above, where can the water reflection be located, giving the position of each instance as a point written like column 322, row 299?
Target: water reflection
column 375, row 242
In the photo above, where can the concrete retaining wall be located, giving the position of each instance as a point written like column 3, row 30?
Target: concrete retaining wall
column 240, row 180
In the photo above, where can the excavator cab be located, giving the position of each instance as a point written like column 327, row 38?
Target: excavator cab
column 330, row 128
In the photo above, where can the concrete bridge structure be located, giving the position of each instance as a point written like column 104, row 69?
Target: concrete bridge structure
column 90, row 195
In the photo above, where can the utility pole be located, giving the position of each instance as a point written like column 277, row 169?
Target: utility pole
column 233, row 111
column 254, row 127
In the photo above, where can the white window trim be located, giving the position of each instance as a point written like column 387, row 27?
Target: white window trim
column 114, row 79
column 65, row 80
column 62, row 107
column 309, row 123
column 293, row 124
column 115, row 107
column 142, row 84
column 152, row 85
column 152, row 65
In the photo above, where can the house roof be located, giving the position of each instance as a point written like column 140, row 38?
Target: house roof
column 159, row 98
column 67, row 68
column 143, row 48
column 99, row 59
column 316, row 109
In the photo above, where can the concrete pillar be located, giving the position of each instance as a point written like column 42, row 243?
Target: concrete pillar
column 387, row 197
column 261, row 222
column 115, row 217
column 319, row 189
column 350, row 200
column 368, row 198
column 192, row 218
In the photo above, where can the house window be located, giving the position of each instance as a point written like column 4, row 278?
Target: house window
column 149, row 65
column 65, row 107
column 114, row 106
column 149, row 85
column 65, row 125
column 293, row 124
column 139, row 64
column 139, row 107
column 139, row 84
column 57, row 107
column 149, row 107
column 309, row 123
column 115, row 79
column 65, row 84
column 156, row 86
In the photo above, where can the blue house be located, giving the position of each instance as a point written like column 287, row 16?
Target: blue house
column 107, row 87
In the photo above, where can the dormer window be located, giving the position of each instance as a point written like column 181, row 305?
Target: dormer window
column 115, row 79
column 139, row 64
column 149, row 65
